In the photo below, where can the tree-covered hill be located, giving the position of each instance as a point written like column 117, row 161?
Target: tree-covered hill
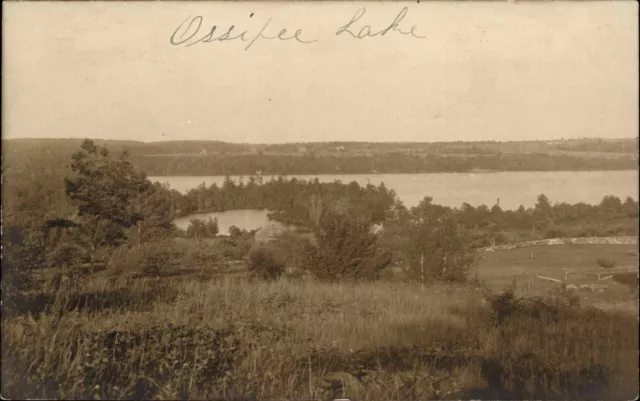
column 221, row 158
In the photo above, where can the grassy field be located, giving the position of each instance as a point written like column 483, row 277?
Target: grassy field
column 501, row 269
column 219, row 335
column 291, row 340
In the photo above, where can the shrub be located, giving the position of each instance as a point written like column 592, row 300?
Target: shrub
column 146, row 258
column 508, row 238
column 606, row 263
column 291, row 246
column 480, row 241
column 504, row 306
column 555, row 233
column 22, row 252
column 345, row 249
column 266, row 264
column 235, row 248
column 536, row 354
column 558, row 302
column 500, row 238
column 200, row 255
column 67, row 256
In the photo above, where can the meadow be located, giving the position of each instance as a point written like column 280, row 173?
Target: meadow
column 498, row 270
column 233, row 338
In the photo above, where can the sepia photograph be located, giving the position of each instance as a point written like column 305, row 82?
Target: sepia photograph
column 320, row 200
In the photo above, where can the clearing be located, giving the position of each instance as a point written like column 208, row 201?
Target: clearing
column 501, row 269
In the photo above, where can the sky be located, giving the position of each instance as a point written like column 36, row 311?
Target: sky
column 476, row 71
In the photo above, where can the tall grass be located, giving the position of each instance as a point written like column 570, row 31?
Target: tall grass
column 237, row 339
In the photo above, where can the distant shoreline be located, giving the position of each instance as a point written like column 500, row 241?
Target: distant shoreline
column 383, row 173
column 211, row 158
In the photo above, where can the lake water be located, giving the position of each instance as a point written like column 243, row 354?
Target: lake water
column 452, row 189
column 247, row 219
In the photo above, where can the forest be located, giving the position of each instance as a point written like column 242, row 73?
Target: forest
column 218, row 158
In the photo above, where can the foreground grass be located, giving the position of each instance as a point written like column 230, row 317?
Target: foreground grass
column 235, row 339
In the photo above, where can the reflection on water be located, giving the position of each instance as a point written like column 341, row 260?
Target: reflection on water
column 452, row 189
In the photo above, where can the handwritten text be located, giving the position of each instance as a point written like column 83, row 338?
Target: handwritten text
column 194, row 31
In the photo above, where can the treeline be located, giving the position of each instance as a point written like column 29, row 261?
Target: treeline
column 475, row 147
column 298, row 202
column 397, row 162
column 601, row 145
column 493, row 226
column 218, row 158
column 294, row 201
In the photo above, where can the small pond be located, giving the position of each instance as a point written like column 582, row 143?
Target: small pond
column 246, row 219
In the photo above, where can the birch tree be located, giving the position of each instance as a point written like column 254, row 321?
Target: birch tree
column 437, row 248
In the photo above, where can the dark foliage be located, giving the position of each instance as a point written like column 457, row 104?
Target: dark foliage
column 187, row 357
column 22, row 252
column 345, row 249
column 554, row 323
column 146, row 258
column 266, row 264
column 202, row 229
column 606, row 263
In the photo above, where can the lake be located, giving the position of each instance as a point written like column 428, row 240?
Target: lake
column 452, row 189
column 248, row 219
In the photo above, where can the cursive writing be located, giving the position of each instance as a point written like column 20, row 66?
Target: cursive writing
column 366, row 30
column 189, row 33
column 193, row 31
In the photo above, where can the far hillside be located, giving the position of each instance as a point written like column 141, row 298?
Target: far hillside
column 222, row 158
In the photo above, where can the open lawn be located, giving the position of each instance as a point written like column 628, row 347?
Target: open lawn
column 500, row 269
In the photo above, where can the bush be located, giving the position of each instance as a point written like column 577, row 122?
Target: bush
column 22, row 252
column 68, row 256
column 606, row 263
column 559, row 302
column 235, row 248
column 500, row 239
column 68, row 259
column 266, row 264
column 345, row 249
column 291, row 247
column 146, row 258
column 480, row 241
column 200, row 255
column 537, row 355
column 555, row 233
